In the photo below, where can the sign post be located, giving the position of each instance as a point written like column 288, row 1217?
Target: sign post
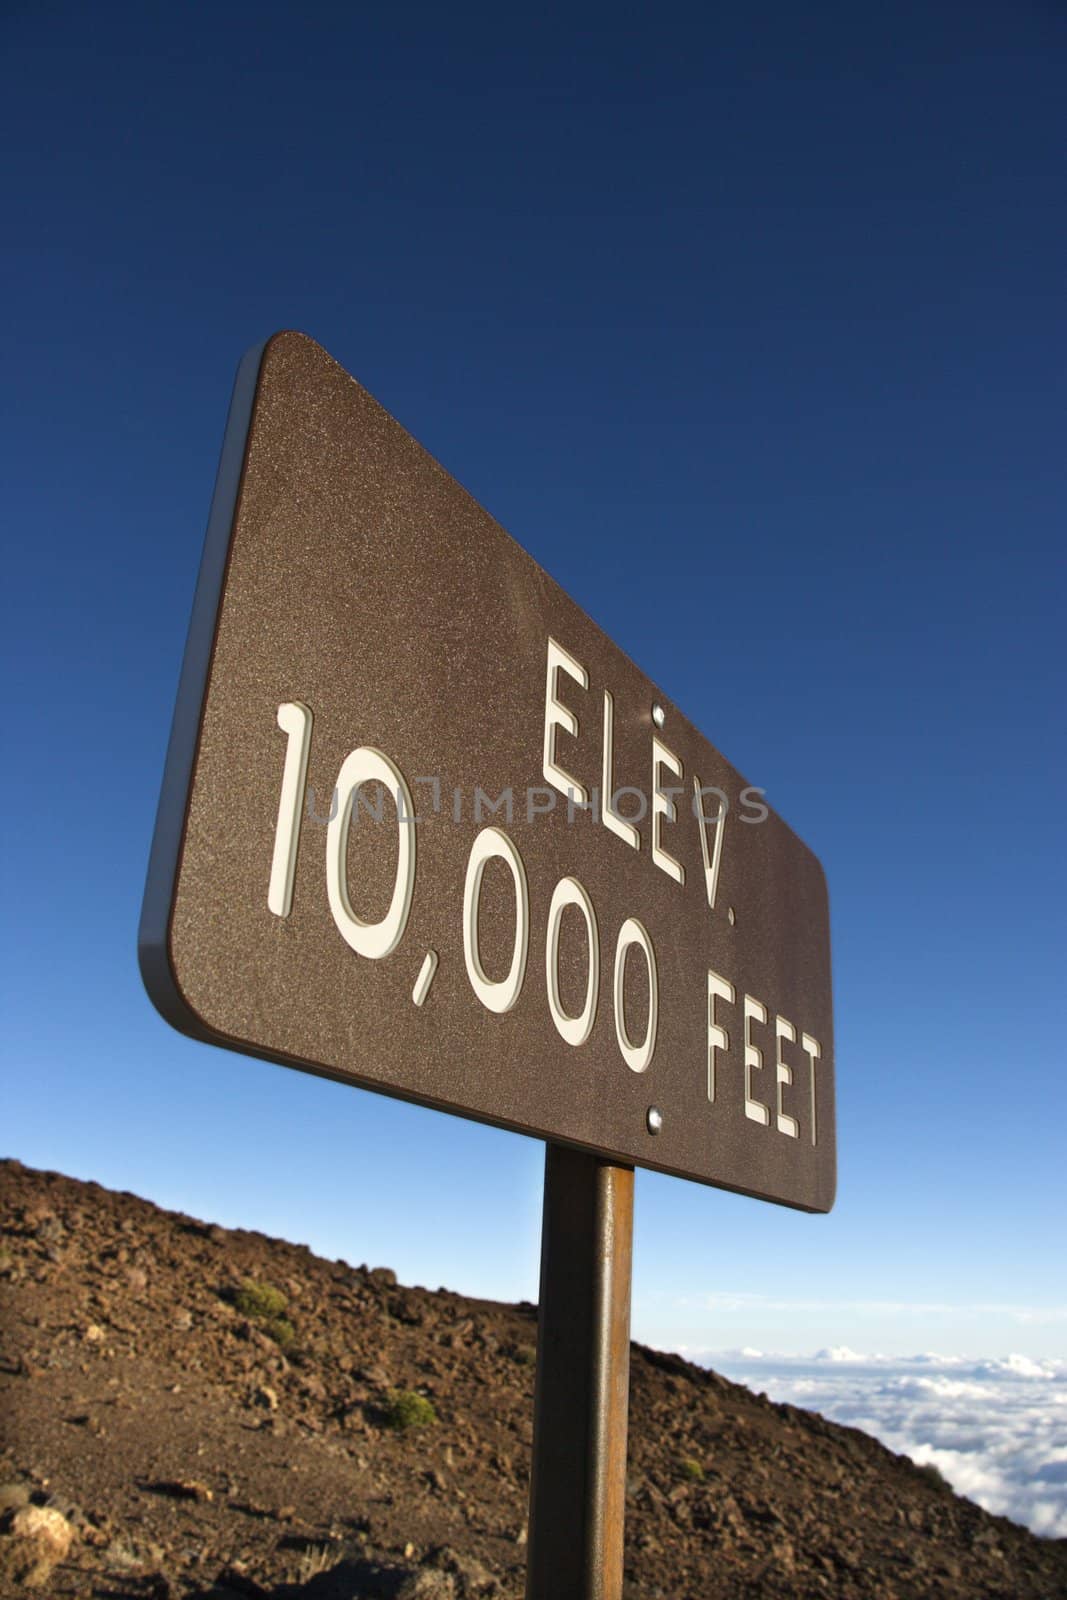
column 578, row 1483
column 426, row 830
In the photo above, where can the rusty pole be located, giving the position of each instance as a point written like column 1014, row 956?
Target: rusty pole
column 578, row 1483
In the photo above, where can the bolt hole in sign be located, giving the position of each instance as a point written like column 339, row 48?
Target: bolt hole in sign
column 425, row 829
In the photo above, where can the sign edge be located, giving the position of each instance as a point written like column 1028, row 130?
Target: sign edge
column 153, row 933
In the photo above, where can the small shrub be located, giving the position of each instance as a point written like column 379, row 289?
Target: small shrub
column 316, row 1559
column 405, row 1408
column 281, row 1330
column 934, row 1474
column 259, row 1300
column 264, row 1304
column 691, row 1469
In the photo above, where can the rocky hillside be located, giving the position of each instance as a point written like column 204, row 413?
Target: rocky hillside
column 191, row 1411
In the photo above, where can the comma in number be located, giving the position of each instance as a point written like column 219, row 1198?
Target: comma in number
column 425, row 977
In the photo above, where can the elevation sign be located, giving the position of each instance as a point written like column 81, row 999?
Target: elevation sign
column 425, row 829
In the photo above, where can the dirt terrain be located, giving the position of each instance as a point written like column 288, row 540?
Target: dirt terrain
column 188, row 1410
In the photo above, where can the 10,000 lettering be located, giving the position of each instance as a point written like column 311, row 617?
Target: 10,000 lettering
column 378, row 939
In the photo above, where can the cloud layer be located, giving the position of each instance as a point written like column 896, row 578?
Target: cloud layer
column 997, row 1429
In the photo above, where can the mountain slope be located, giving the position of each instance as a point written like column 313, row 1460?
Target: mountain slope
column 199, row 1437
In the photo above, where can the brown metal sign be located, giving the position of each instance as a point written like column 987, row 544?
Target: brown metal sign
column 427, row 830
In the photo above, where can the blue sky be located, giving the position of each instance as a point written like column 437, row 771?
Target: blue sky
column 749, row 325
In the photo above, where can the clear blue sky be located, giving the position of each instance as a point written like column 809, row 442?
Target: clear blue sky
column 772, row 299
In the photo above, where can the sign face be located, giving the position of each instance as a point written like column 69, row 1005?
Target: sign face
column 425, row 829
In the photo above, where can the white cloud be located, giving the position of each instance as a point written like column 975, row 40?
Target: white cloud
column 996, row 1428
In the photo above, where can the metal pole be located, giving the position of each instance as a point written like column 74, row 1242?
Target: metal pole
column 578, row 1484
